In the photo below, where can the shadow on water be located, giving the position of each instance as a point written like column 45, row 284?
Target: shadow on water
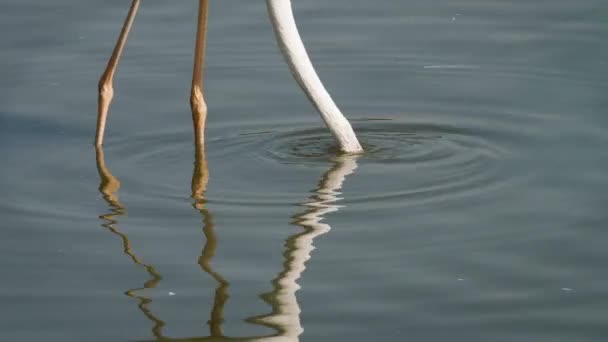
column 284, row 318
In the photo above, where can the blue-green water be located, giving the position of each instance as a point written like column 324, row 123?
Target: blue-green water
column 478, row 214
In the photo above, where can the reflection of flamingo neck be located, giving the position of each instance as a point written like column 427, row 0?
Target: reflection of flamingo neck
column 286, row 313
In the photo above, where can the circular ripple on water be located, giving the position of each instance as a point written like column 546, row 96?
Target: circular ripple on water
column 383, row 143
column 403, row 162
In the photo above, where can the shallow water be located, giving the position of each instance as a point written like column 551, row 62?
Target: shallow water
column 478, row 212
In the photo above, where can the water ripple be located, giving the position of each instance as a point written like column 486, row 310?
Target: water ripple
column 418, row 161
column 453, row 160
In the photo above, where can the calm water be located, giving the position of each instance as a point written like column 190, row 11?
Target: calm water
column 478, row 213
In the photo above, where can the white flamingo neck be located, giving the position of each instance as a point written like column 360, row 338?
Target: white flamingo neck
column 290, row 43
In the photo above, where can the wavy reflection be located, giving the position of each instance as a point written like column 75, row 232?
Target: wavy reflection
column 200, row 178
column 284, row 317
column 108, row 186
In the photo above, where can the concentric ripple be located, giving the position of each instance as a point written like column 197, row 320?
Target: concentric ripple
column 406, row 162
column 385, row 142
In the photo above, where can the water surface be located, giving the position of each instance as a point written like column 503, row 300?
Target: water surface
column 478, row 212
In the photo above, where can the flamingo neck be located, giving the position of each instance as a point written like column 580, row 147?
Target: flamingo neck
column 294, row 52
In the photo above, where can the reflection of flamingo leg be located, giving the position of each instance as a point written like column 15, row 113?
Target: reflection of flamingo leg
column 200, row 178
column 108, row 187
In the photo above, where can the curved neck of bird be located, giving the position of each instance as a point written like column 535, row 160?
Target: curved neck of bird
column 294, row 52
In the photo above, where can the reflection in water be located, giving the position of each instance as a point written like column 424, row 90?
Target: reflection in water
column 285, row 315
column 108, row 186
column 200, row 177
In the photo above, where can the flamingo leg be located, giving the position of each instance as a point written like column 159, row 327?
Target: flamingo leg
column 106, row 89
column 197, row 99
